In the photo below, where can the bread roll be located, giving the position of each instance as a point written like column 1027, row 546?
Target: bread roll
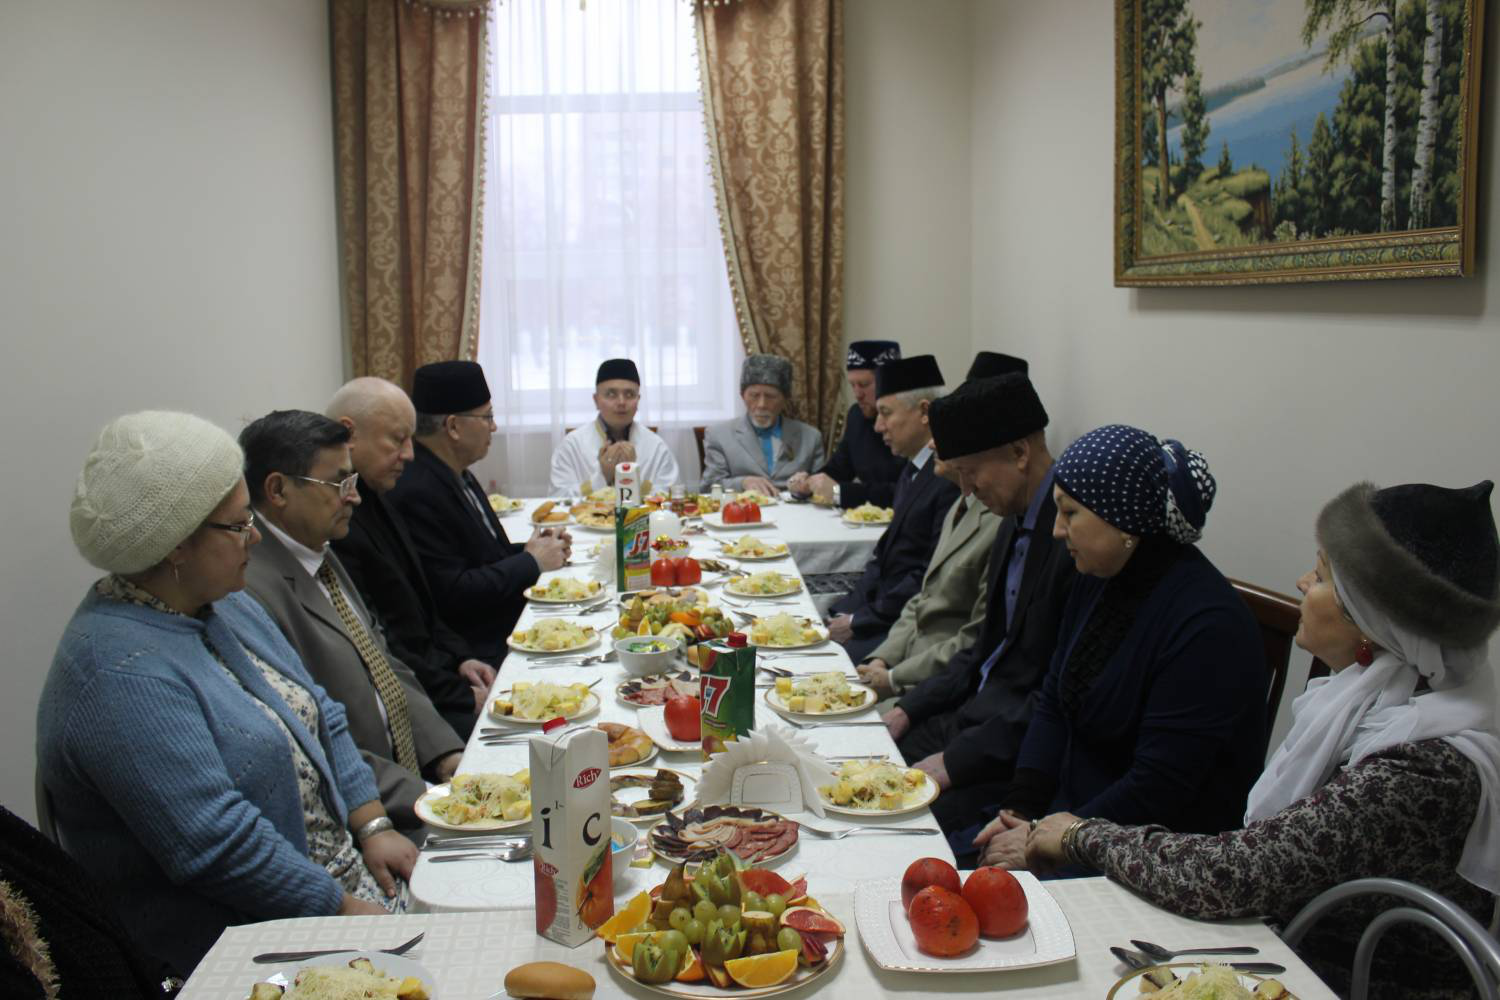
column 549, row 980
column 543, row 511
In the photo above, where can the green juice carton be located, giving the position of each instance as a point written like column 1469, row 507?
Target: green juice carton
column 632, row 548
column 726, row 688
column 571, row 833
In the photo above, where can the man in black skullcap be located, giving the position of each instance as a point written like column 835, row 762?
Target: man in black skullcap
column 477, row 574
column 905, row 389
column 862, row 468
column 963, row 725
column 586, row 459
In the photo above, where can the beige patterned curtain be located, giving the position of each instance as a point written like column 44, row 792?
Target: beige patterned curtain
column 409, row 81
column 773, row 95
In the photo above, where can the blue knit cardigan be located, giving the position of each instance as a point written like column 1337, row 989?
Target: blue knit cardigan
column 171, row 787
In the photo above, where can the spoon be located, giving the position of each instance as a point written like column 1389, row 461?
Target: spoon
column 1161, row 954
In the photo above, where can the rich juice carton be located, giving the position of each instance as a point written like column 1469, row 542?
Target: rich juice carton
column 726, row 689
column 632, row 548
column 570, row 834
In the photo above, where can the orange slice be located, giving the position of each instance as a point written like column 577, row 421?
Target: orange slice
column 625, row 944
column 633, row 915
column 759, row 971
column 692, row 968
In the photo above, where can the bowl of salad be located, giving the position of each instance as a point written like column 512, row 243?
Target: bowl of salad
column 647, row 654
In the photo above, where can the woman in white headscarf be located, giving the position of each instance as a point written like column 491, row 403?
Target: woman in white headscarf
column 1392, row 766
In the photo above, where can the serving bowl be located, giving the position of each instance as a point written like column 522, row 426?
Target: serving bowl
column 646, row 654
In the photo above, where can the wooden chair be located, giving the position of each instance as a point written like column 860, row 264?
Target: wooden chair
column 1278, row 616
column 698, row 433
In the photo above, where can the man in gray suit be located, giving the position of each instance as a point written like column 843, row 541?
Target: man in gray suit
column 303, row 488
column 761, row 450
column 948, row 613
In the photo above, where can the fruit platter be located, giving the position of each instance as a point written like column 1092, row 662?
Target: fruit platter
column 727, row 930
column 684, row 614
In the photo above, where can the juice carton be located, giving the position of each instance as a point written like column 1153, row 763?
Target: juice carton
column 570, row 834
column 726, row 688
column 626, row 487
column 632, row 548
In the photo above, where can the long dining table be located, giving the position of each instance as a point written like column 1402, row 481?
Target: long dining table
column 477, row 915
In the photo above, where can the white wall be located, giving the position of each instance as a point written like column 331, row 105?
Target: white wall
column 166, row 191
column 1292, row 393
column 907, row 165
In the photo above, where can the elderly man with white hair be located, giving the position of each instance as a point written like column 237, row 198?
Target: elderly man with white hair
column 763, row 449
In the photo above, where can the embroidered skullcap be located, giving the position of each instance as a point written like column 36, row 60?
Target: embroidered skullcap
column 983, row 414
column 148, row 482
column 1426, row 556
column 988, row 364
column 449, row 387
column 906, row 374
column 767, row 369
column 1137, row 483
column 871, row 354
column 614, row 368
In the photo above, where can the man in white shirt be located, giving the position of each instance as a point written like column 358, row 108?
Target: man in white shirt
column 586, row 459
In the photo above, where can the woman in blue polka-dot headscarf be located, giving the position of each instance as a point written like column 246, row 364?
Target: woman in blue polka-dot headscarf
column 1154, row 707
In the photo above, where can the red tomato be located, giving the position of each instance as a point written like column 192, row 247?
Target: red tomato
column 924, row 872
column 688, row 571
column 998, row 900
column 734, row 512
column 752, row 512
column 942, row 922
column 684, row 715
column 663, row 573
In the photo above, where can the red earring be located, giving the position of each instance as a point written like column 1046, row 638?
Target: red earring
column 1364, row 653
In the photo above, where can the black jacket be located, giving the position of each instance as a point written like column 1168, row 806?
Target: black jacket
column 863, row 455
column 477, row 574
column 994, row 719
column 381, row 559
column 893, row 576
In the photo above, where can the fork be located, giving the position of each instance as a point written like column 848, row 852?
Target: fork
column 827, row 725
column 894, row 831
column 519, row 853
column 277, row 957
column 587, row 661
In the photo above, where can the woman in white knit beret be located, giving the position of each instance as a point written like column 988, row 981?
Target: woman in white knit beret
column 194, row 767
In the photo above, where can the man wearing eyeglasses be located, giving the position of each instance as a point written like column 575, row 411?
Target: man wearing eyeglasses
column 586, row 459
column 477, row 574
column 304, row 490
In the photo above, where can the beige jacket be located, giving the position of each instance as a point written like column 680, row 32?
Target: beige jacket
column 948, row 612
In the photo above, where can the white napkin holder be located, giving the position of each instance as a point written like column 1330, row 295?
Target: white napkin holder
column 778, row 763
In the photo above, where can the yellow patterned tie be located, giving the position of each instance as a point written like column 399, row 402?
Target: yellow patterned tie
column 387, row 685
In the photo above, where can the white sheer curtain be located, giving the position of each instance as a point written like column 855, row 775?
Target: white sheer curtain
column 601, row 238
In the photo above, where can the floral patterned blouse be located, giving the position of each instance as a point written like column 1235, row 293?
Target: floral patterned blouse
column 329, row 843
column 1402, row 813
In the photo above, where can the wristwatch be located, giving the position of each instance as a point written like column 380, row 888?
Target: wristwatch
column 380, row 824
column 837, row 499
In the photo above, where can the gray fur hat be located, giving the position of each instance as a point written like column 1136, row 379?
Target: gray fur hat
column 767, row 369
column 1427, row 556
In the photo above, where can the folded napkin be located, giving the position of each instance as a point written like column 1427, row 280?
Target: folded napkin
column 774, row 744
column 604, row 561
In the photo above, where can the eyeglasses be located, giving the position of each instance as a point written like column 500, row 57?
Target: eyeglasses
column 486, row 417
column 628, row 395
column 238, row 527
column 347, row 487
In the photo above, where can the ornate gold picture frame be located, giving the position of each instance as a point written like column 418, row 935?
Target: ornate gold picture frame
column 1292, row 153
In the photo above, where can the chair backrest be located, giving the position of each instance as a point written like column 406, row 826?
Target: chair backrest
column 45, row 820
column 1278, row 617
column 698, row 434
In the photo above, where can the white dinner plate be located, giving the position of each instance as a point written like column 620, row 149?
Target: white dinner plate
column 631, row 795
column 917, row 799
column 724, row 551
column 565, row 600
column 423, row 809
column 716, row 520
column 397, row 966
column 589, row 705
column 855, row 522
column 652, row 720
column 1046, row 939
column 1127, row 987
column 777, row 705
column 794, row 586
column 822, row 637
column 590, row 643
column 693, row 991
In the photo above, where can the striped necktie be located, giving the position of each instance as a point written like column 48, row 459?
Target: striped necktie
column 387, row 685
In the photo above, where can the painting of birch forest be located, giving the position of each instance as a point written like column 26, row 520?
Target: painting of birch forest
column 1278, row 121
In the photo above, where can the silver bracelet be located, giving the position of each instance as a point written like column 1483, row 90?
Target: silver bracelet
column 380, row 824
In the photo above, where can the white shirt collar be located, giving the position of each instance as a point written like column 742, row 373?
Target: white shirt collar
column 309, row 559
column 921, row 457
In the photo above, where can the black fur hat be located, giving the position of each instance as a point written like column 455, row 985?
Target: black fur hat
column 1427, row 556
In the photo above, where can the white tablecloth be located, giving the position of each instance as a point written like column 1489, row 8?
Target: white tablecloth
column 468, row 954
column 478, row 885
column 820, row 541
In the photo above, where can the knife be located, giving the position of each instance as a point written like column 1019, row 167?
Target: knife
column 1138, row 960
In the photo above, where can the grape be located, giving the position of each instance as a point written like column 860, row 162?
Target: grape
column 776, row 904
column 693, row 932
column 789, row 940
column 644, row 928
column 673, row 940
column 679, row 918
column 753, row 901
column 730, row 914
column 705, row 911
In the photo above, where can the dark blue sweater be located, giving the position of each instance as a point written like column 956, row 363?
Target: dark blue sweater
column 1173, row 730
